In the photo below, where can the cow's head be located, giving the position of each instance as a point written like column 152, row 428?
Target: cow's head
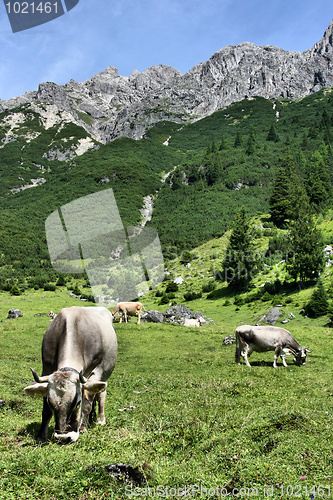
column 300, row 357
column 63, row 391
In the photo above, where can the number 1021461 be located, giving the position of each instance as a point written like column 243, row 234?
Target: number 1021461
column 32, row 7
column 309, row 491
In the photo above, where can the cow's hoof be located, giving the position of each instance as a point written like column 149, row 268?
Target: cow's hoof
column 101, row 421
column 83, row 428
column 41, row 439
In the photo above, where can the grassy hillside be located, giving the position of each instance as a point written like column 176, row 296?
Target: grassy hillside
column 217, row 165
column 232, row 161
column 198, row 420
column 179, row 410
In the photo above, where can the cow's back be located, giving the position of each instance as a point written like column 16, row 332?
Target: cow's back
column 81, row 338
column 264, row 337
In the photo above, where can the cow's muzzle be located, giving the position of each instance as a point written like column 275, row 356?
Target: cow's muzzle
column 67, row 437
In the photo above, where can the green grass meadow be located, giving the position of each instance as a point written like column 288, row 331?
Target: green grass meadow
column 202, row 426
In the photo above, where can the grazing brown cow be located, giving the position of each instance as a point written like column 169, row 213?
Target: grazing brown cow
column 128, row 309
column 268, row 338
column 79, row 353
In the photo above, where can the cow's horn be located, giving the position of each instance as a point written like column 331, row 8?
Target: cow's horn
column 307, row 350
column 39, row 379
column 83, row 380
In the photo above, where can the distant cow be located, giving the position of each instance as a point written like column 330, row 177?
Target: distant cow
column 128, row 309
column 52, row 315
column 192, row 322
column 268, row 338
column 79, row 353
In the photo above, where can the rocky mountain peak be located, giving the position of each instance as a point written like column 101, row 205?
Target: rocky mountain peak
column 325, row 45
column 109, row 105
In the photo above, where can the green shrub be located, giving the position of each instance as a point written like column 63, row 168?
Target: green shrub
column 266, row 297
column 186, row 257
column 277, row 299
column 171, row 287
column 76, row 290
column 239, row 301
column 88, row 297
column 208, row 287
column 164, row 299
column 61, row 281
column 15, row 290
column 188, row 296
column 49, row 287
column 318, row 304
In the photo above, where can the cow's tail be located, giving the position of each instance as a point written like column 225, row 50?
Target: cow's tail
column 237, row 353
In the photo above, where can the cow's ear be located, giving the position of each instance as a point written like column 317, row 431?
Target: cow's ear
column 94, row 386
column 39, row 390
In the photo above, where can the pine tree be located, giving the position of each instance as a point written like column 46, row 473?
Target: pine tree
column 223, row 144
column 250, row 149
column 319, row 185
column 272, row 134
column 306, row 245
column 240, row 263
column 238, row 140
column 318, row 304
column 213, row 169
column 288, row 199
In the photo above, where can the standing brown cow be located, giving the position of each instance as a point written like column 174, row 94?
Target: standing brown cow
column 128, row 309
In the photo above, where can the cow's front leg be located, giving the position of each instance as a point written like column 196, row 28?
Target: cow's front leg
column 86, row 409
column 283, row 357
column 101, row 403
column 46, row 417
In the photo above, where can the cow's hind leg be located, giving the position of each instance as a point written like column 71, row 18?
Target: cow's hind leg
column 238, row 352
column 276, row 355
column 246, row 351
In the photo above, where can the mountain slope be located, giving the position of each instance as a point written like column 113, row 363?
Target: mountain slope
column 209, row 177
column 110, row 106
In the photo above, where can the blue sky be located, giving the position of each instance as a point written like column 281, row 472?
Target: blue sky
column 136, row 34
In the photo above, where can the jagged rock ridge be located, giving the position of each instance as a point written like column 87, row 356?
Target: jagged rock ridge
column 110, row 106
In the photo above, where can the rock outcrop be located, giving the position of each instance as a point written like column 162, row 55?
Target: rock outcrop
column 110, row 106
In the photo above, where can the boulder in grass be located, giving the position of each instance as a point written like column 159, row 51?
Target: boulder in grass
column 273, row 315
column 14, row 313
column 152, row 317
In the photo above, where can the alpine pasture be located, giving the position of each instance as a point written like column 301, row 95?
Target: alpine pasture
column 178, row 410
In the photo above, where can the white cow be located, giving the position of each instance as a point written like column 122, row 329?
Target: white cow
column 79, row 353
column 268, row 338
column 192, row 322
